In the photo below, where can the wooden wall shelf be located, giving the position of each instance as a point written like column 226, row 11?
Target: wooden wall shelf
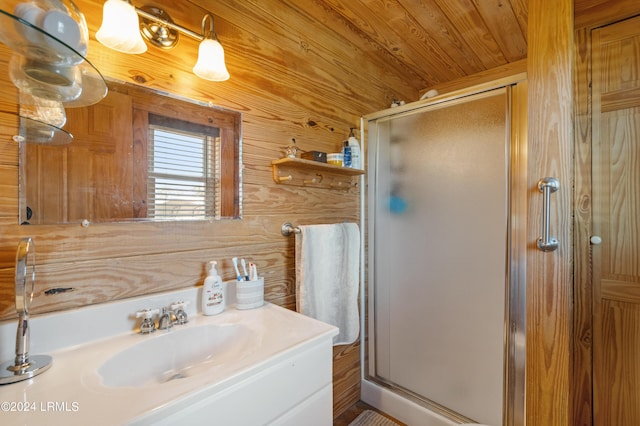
column 300, row 172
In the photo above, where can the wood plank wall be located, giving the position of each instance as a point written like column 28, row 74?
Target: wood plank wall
column 549, row 275
column 290, row 79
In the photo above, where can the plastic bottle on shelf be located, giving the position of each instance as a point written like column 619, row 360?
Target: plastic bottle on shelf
column 356, row 161
column 346, row 155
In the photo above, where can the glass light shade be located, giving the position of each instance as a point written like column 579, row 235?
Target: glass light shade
column 120, row 29
column 210, row 65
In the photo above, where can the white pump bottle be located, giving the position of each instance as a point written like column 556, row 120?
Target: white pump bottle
column 212, row 292
column 356, row 157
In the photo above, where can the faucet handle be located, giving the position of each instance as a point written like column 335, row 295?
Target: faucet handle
column 178, row 308
column 147, row 326
column 147, row 313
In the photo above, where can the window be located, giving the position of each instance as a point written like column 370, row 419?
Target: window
column 183, row 173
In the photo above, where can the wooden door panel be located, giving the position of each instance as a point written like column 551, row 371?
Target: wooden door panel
column 106, row 149
column 616, row 218
column 620, row 290
column 91, row 178
column 46, row 189
column 619, row 384
column 620, row 194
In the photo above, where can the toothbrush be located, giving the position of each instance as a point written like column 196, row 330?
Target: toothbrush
column 244, row 268
column 235, row 265
column 253, row 271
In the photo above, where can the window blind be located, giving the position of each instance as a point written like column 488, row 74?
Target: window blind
column 182, row 172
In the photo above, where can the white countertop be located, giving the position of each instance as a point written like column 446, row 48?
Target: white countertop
column 71, row 391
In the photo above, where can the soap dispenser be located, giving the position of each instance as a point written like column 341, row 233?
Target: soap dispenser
column 212, row 293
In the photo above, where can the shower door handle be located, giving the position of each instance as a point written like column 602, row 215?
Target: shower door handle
column 547, row 186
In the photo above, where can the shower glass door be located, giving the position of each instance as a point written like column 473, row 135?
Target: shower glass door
column 438, row 253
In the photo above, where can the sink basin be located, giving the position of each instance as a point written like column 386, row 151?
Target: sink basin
column 179, row 353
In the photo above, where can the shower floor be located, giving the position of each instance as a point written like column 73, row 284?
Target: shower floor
column 355, row 410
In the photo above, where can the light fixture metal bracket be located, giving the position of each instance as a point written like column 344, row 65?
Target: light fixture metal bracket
column 157, row 30
column 208, row 32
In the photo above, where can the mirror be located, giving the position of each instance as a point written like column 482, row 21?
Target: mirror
column 137, row 155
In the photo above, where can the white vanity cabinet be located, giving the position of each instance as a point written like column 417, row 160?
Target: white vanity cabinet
column 294, row 390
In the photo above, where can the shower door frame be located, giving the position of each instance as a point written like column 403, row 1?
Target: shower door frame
column 515, row 309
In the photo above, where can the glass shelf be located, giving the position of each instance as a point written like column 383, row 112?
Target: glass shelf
column 45, row 66
column 38, row 132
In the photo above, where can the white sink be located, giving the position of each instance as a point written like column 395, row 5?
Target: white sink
column 179, row 353
column 242, row 367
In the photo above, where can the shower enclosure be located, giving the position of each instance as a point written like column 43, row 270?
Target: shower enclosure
column 446, row 207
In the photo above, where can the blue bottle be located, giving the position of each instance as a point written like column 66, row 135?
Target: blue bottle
column 346, row 155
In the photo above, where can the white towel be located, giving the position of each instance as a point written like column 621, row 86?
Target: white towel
column 327, row 276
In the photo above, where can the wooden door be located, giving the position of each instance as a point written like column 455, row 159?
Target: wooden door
column 616, row 220
column 91, row 178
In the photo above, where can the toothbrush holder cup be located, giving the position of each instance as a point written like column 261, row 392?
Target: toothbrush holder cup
column 250, row 294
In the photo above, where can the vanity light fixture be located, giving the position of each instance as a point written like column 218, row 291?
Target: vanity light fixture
column 210, row 65
column 122, row 31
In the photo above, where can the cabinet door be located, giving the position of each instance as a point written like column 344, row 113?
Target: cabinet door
column 616, row 219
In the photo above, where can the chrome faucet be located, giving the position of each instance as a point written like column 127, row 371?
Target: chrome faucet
column 175, row 314
column 24, row 367
column 167, row 319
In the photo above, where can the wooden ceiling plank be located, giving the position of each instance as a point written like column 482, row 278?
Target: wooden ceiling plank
column 472, row 27
column 408, row 35
column 521, row 10
column 438, row 27
column 366, row 53
column 422, row 55
column 416, row 20
column 505, row 28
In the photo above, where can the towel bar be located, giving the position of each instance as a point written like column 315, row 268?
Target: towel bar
column 288, row 229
